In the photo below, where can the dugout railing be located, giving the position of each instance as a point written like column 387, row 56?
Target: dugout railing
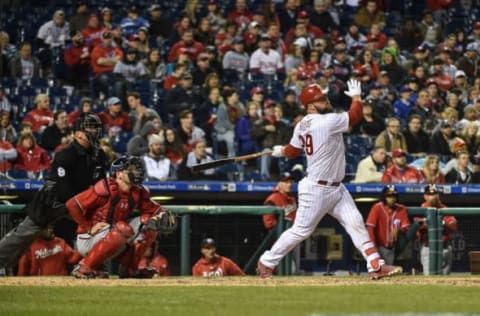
column 434, row 220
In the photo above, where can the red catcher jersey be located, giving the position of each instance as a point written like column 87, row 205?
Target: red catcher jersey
column 384, row 225
column 221, row 266
column 47, row 257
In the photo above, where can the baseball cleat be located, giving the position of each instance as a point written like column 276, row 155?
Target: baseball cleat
column 385, row 271
column 82, row 272
column 263, row 271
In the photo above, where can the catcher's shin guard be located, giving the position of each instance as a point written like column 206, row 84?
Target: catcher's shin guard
column 107, row 248
column 131, row 258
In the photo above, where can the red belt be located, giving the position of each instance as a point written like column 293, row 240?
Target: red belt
column 333, row 184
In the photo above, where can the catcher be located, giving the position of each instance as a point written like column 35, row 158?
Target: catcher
column 106, row 226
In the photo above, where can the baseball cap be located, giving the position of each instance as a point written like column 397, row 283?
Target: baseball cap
column 269, row 104
column 301, row 41
column 155, row 7
column 265, row 37
column 105, row 9
column 208, row 243
column 286, row 176
column 405, row 88
column 383, row 73
column 59, row 13
column 302, row 14
column 476, row 25
column 132, row 50
column 202, row 56
column 431, row 189
column 438, row 61
column 420, row 49
column 471, row 47
column 237, row 40
column 133, row 9
column 113, row 100
column 187, row 75
column 302, row 75
column 445, row 123
column 399, row 152
column 374, row 85
column 460, row 73
column 290, row 91
column 183, row 50
column 411, row 79
column 253, row 24
column 318, row 41
column 106, row 34
column 256, row 90
column 154, row 139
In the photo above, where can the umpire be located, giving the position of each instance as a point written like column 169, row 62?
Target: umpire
column 74, row 169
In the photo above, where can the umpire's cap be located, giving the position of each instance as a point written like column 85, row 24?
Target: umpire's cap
column 208, row 243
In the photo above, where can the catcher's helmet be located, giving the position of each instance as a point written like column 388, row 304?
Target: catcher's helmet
column 91, row 125
column 311, row 94
column 389, row 190
column 133, row 164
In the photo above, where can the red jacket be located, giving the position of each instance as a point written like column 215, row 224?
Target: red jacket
column 47, row 257
column 38, row 118
column 72, row 55
column 94, row 35
column 410, row 175
column 193, row 50
column 36, row 159
column 220, row 266
column 102, row 51
column 449, row 224
column 121, row 120
column 93, row 205
column 288, row 202
column 384, row 224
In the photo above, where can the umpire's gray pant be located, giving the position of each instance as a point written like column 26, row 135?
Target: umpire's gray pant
column 14, row 244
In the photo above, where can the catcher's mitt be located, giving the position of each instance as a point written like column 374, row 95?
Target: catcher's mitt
column 165, row 223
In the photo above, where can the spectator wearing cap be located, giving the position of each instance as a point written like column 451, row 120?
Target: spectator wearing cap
column 469, row 62
column 115, row 120
column 127, row 71
column 228, row 114
column 160, row 26
column 240, row 14
column 431, row 196
column 449, row 68
column 390, row 64
column 370, row 169
column 439, row 141
column 54, row 33
column 282, row 197
column 310, row 66
column 235, row 61
column 439, row 76
column 268, row 132
column 400, row 172
column 265, row 60
column 213, row 265
column 460, row 86
column 368, row 14
column 320, row 45
column 436, row 96
column 93, row 30
column 103, row 59
column 80, row 19
column 139, row 113
column 474, row 37
column 354, row 39
column 138, row 144
column 215, row 16
column 410, row 35
column 257, row 96
column 143, row 43
column 245, row 143
column 321, row 17
column 371, row 123
column 132, row 22
column 57, row 133
column 183, row 96
column 201, row 70
column 418, row 141
column 403, row 104
column 420, row 58
column 157, row 165
column 391, row 138
column 106, row 18
column 381, row 105
column 187, row 42
column 431, row 31
column 77, row 62
column 295, row 54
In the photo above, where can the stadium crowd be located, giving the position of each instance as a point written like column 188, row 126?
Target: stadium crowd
column 181, row 82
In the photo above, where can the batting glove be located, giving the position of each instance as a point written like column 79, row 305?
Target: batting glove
column 354, row 88
column 277, row 151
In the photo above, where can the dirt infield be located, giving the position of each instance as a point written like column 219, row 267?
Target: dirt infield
column 466, row 280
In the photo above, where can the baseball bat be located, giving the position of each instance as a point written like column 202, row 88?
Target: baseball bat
column 224, row 161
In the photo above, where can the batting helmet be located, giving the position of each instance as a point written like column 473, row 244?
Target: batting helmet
column 389, row 190
column 91, row 125
column 311, row 94
column 134, row 165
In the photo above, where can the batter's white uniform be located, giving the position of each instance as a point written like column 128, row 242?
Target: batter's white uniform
column 320, row 136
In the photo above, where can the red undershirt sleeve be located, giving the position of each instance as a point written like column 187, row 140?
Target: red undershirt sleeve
column 355, row 113
column 291, row 152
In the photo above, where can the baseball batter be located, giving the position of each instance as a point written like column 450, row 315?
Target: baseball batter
column 319, row 135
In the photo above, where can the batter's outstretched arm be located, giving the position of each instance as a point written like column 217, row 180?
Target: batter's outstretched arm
column 355, row 113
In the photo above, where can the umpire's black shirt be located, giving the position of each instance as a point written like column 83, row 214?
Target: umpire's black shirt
column 73, row 170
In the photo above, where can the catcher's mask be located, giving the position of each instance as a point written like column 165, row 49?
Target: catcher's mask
column 133, row 165
column 389, row 190
column 91, row 125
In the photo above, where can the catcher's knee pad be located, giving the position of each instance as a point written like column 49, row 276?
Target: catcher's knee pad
column 124, row 229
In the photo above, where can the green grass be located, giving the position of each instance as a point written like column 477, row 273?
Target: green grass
column 236, row 300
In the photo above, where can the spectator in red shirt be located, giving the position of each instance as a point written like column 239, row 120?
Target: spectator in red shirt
column 193, row 47
column 48, row 255
column 41, row 116
column 400, row 172
column 241, row 15
column 77, row 61
column 103, row 59
column 212, row 264
column 31, row 158
column 115, row 120
column 93, row 31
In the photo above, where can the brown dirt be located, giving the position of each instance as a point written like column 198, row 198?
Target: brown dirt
column 464, row 280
